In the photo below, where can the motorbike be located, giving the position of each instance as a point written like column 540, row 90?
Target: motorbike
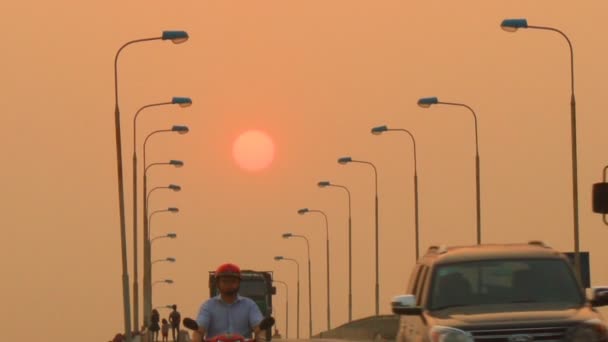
column 266, row 323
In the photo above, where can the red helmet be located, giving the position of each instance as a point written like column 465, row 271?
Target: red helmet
column 228, row 270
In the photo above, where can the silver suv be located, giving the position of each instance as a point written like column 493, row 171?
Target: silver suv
column 498, row 293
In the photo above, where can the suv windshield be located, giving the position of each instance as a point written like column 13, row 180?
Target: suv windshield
column 502, row 282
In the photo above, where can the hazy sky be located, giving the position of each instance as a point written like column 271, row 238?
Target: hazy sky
column 315, row 76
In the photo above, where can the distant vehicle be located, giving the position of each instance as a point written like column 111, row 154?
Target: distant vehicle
column 504, row 292
column 256, row 285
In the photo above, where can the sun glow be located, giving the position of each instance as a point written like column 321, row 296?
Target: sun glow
column 253, row 150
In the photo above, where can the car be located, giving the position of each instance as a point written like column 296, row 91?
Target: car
column 498, row 293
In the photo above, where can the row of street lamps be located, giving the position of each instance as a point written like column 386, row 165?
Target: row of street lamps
column 176, row 37
column 426, row 102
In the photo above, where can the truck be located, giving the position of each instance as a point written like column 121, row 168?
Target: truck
column 256, row 285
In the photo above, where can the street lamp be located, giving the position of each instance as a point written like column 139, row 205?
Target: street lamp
column 168, row 235
column 178, row 129
column 177, row 163
column 148, row 259
column 426, row 102
column 182, row 102
column 381, row 129
column 324, row 184
column 344, row 161
column 167, row 259
column 177, row 37
column 513, row 25
column 147, row 252
column 286, row 306
column 164, row 281
column 279, row 258
column 290, row 235
column 304, row 211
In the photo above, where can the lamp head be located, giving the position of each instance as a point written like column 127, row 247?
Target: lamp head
column 176, row 37
column 170, row 259
column 379, row 129
column 344, row 160
column 175, row 187
column 303, row 211
column 323, row 184
column 426, row 102
column 176, row 163
column 511, row 25
column 182, row 101
column 172, row 235
column 180, row 129
column 169, row 281
column 287, row 235
column 173, row 210
column 278, row 258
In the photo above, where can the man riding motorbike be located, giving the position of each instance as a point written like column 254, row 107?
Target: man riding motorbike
column 228, row 312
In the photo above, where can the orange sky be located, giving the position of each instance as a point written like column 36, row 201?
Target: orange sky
column 316, row 76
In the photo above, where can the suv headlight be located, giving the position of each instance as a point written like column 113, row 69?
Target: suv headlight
column 593, row 330
column 440, row 333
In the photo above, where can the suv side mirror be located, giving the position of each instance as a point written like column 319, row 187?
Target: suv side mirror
column 405, row 305
column 273, row 290
column 600, row 296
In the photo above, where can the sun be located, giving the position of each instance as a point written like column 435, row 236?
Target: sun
column 253, row 150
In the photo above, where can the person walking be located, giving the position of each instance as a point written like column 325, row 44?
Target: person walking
column 165, row 330
column 154, row 324
column 174, row 319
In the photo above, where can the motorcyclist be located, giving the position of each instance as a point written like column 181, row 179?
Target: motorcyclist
column 228, row 312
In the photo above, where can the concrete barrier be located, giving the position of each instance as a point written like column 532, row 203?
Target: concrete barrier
column 383, row 327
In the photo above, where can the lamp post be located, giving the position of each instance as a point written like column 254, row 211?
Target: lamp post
column 512, row 25
column 305, row 211
column 147, row 253
column 290, row 235
column 178, row 129
column 344, row 161
column 148, row 249
column 286, row 306
column 177, row 37
column 381, row 129
column 182, row 102
column 426, row 102
column 324, row 184
column 279, row 258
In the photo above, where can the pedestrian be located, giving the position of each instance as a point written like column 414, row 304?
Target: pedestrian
column 165, row 330
column 154, row 324
column 174, row 319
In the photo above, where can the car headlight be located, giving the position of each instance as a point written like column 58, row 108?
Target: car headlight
column 440, row 333
column 590, row 331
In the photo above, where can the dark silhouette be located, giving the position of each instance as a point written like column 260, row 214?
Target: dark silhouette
column 174, row 319
column 154, row 324
column 165, row 330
